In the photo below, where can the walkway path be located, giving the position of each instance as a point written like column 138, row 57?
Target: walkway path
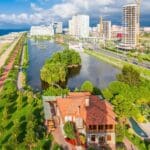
column 21, row 74
column 6, row 54
column 9, row 65
column 129, row 145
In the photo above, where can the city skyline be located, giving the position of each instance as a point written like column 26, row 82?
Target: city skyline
column 36, row 12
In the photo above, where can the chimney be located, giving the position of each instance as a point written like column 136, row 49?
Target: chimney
column 78, row 110
column 87, row 102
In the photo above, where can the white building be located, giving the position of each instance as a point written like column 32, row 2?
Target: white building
column 131, row 26
column 79, row 26
column 58, row 27
column 42, row 31
column 146, row 29
column 107, row 30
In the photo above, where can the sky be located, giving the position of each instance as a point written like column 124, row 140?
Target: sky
column 24, row 13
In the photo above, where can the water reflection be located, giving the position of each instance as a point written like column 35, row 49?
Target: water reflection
column 98, row 72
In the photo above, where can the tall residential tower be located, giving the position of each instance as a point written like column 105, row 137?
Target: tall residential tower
column 79, row 26
column 130, row 25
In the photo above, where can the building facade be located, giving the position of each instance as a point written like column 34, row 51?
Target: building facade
column 92, row 117
column 79, row 26
column 107, row 30
column 42, row 31
column 58, row 27
column 131, row 26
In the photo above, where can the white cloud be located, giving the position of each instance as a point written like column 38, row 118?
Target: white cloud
column 68, row 8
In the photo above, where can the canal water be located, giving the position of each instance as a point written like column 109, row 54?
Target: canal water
column 98, row 72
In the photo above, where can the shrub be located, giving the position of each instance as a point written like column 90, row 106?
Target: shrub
column 69, row 130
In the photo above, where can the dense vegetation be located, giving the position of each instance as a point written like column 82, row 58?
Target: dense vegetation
column 53, row 91
column 130, row 96
column 21, row 116
column 87, row 86
column 55, row 68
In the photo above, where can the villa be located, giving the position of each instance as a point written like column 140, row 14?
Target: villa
column 92, row 116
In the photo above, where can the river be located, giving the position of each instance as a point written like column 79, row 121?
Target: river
column 98, row 72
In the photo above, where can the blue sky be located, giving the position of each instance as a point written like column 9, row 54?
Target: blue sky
column 24, row 13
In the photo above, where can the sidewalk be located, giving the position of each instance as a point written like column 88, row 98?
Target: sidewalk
column 6, row 54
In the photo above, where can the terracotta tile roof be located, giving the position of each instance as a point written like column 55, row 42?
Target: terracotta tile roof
column 75, row 105
column 99, row 112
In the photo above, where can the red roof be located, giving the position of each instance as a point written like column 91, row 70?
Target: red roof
column 96, row 113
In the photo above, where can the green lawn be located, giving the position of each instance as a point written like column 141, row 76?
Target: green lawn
column 119, row 63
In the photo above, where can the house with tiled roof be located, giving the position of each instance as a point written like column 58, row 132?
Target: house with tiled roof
column 91, row 115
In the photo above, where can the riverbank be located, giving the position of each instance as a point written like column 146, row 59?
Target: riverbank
column 119, row 63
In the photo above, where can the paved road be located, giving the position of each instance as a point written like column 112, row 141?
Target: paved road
column 123, row 57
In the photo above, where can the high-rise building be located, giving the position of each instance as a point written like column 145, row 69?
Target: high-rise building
column 131, row 26
column 58, row 27
column 107, row 30
column 79, row 26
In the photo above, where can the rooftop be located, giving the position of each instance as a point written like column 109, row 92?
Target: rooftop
column 90, row 108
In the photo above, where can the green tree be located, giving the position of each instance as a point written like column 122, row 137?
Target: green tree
column 96, row 91
column 130, row 76
column 53, row 91
column 69, row 130
column 124, row 108
column 53, row 73
column 30, row 137
column 87, row 86
column 19, row 100
column 107, row 94
column 5, row 113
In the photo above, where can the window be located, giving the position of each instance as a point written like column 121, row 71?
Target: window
column 93, row 138
column 108, row 137
column 111, row 126
column 101, row 139
column 94, row 127
column 100, row 127
column 90, row 127
column 106, row 127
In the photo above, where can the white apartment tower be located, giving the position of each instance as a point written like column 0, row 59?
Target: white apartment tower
column 131, row 26
column 107, row 30
column 79, row 26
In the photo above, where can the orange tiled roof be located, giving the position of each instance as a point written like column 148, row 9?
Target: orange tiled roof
column 98, row 111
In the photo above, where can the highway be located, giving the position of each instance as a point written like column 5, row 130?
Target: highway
column 123, row 57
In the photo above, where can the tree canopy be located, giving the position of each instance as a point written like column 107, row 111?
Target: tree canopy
column 53, row 73
column 69, row 130
column 87, row 86
column 129, row 75
column 55, row 68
